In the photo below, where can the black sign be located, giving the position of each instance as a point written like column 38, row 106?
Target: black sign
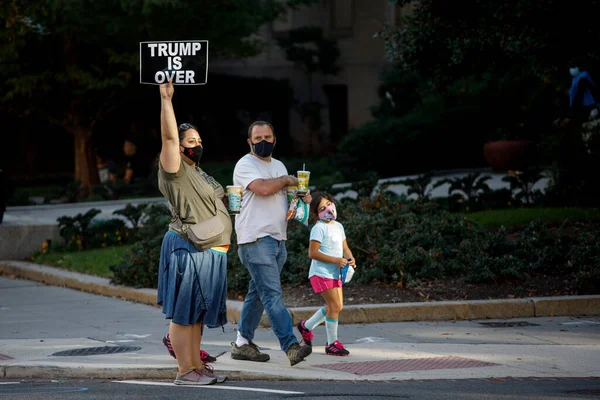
column 184, row 62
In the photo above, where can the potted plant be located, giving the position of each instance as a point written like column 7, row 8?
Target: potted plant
column 509, row 149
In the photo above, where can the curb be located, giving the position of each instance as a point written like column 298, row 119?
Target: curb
column 126, row 373
column 354, row 314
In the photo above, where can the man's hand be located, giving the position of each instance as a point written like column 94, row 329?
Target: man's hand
column 167, row 90
column 226, row 201
column 292, row 180
column 307, row 197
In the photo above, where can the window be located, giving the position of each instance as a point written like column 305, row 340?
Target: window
column 342, row 16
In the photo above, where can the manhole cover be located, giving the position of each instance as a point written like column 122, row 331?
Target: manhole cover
column 416, row 364
column 514, row 324
column 91, row 351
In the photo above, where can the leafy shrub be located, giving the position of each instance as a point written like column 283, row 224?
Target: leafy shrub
column 110, row 232
column 401, row 240
column 139, row 267
column 75, row 230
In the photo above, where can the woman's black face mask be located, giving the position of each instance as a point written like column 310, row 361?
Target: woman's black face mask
column 193, row 153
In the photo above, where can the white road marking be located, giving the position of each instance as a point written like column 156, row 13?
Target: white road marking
column 247, row 389
column 134, row 336
column 371, row 339
column 581, row 322
column 9, row 383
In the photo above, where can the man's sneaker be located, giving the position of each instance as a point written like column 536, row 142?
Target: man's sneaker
column 307, row 336
column 204, row 356
column 336, row 349
column 249, row 352
column 194, row 377
column 210, row 372
column 297, row 353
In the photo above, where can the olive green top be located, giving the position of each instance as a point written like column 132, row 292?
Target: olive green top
column 193, row 193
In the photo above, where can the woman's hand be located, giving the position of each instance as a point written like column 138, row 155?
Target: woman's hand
column 167, row 90
column 352, row 262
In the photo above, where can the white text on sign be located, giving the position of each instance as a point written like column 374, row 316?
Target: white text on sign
column 174, row 51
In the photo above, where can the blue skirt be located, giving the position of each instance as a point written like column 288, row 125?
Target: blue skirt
column 192, row 284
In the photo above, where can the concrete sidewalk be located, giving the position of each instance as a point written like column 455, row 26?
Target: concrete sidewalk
column 39, row 320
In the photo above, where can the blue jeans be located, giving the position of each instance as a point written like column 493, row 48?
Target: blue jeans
column 264, row 260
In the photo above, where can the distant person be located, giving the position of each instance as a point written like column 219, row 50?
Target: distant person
column 131, row 161
column 329, row 253
column 107, row 168
column 583, row 98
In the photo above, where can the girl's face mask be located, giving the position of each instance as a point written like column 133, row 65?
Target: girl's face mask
column 328, row 214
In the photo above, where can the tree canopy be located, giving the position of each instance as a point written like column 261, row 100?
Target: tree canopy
column 444, row 40
column 73, row 62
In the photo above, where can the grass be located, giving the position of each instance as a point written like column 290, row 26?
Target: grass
column 522, row 216
column 92, row 262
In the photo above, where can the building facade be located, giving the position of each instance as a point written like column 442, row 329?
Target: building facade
column 347, row 96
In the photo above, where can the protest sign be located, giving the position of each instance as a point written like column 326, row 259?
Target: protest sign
column 184, row 62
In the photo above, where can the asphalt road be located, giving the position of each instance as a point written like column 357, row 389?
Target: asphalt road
column 482, row 389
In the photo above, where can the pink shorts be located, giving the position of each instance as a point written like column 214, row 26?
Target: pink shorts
column 321, row 284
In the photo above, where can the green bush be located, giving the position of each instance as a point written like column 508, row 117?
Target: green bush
column 404, row 240
column 139, row 267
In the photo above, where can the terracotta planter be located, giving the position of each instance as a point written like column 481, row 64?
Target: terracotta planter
column 508, row 154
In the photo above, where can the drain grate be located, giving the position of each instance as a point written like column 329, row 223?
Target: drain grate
column 416, row 364
column 514, row 324
column 91, row 351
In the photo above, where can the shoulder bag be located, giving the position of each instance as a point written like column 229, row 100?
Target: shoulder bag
column 204, row 234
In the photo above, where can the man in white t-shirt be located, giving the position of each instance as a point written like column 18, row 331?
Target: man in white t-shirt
column 261, row 230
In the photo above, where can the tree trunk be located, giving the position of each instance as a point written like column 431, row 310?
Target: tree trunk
column 86, row 170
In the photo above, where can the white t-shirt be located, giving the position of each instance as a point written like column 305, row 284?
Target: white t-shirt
column 260, row 216
column 331, row 236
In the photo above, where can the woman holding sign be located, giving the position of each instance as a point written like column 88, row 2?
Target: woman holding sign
column 192, row 278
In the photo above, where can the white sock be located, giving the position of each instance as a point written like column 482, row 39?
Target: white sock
column 240, row 341
column 331, row 326
column 317, row 319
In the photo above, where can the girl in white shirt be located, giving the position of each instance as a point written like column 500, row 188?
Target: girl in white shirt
column 329, row 252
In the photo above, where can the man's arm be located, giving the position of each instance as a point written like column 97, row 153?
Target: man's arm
column 267, row 187
column 170, row 158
